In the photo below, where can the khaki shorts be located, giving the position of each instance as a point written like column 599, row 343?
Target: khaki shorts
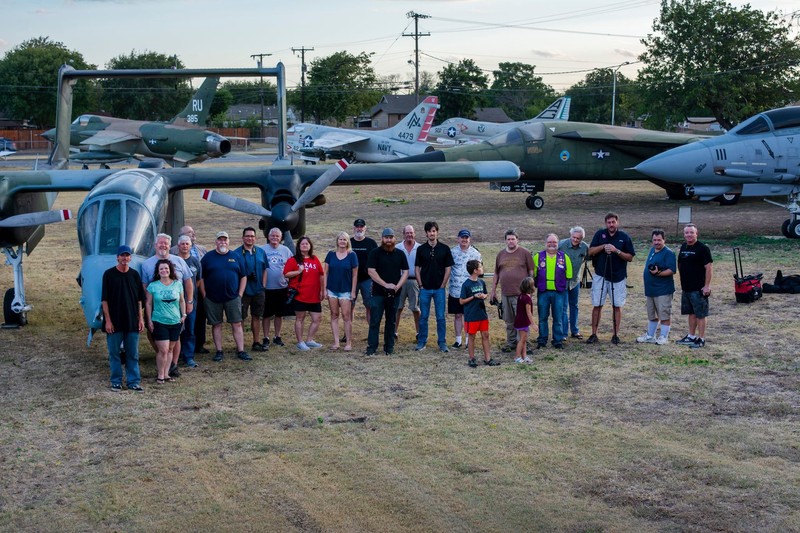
column 409, row 291
column 659, row 307
column 601, row 288
column 232, row 310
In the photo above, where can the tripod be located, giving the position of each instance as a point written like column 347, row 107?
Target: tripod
column 608, row 274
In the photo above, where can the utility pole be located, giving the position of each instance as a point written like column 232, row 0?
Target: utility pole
column 261, row 89
column 302, row 51
column 416, row 35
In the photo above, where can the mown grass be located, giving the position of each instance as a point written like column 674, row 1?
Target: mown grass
column 591, row 438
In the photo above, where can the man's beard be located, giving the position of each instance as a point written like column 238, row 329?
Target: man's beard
column 360, row 234
column 162, row 253
column 223, row 249
column 388, row 246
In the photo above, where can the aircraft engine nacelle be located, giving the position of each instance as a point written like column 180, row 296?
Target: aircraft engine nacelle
column 127, row 208
column 709, row 191
column 217, row 145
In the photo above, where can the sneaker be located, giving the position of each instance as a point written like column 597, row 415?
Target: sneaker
column 527, row 360
column 173, row 371
column 686, row 341
column 219, row 356
column 190, row 363
column 136, row 388
column 698, row 343
column 472, row 363
column 592, row 339
column 649, row 339
column 661, row 340
column 244, row 356
column 443, row 348
column 116, row 387
column 529, row 351
column 396, row 336
column 258, row 347
column 265, row 342
column 519, row 360
column 419, row 347
column 387, row 352
column 507, row 349
column 303, row 347
column 577, row 336
column 202, row 349
column 615, row 339
column 457, row 345
column 277, row 341
column 491, row 362
column 369, row 352
column 558, row 346
column 313, row 344
column 540, row 346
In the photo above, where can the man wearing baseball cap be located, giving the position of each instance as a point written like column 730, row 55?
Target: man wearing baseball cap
column 362, row 246
column 122, row 299
column 462, row 252
column 388, row 269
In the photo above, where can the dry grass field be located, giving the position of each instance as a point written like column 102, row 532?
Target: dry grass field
column 590, row 438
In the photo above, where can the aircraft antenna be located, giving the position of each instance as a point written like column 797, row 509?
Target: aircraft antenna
column 416, row 35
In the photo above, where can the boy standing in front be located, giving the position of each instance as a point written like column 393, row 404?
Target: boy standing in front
column 473, row 298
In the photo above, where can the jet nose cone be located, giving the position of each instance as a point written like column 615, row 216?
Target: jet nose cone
column 679, row 165
column 50, row 135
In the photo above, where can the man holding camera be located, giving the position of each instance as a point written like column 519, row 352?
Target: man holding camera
column 255, row 265
column 659, row 286
column 388, row 268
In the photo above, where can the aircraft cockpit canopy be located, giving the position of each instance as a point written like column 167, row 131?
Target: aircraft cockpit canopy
column 105, row 224
column 524, row 135
column 775, row 120
column 84, row 120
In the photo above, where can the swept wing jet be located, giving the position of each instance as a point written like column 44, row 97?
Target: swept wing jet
column 463, row 130
column 759, row 157
column 103, row 140
column 314, row 142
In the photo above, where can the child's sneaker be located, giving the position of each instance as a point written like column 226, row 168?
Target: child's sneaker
column 519, row 360
column 527, row 360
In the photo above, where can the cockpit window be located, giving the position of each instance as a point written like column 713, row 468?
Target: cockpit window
column 511, row 136
column 105, row 225
column 86, row 229
column 785, row 117
column 110, row 226
column 139, row 230
column 755, row 125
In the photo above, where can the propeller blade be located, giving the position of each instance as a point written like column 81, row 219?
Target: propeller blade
column 288, row 242
column 320, row 184
column 234, row 203
column 36, row 219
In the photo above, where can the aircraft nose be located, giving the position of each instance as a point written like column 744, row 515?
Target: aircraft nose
column 679, row 165
column 50, row 135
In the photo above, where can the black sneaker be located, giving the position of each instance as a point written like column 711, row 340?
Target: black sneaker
column 202, row 350
column 258, row 347
column 698, row 343
column 472, row 363
column 219, row 356
column 491, row 362
column 369, row 352
column 456, row 345
column 507, row 349
column 539, row 347
column 558, row 346
column 686, row 341
column 388, row 353
column 592, row 339
column 615, row 339
column 577, row 336
column 173, row 371
column 136, row 388
column 277, row 341
column 265, row 342
column 115, row 387
column 244, row 356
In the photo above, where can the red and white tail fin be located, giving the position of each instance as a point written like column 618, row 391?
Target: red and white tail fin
column 416, row 125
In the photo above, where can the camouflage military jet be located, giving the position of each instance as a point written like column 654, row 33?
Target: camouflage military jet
column 558, row 150
column 756, row 158
column 103, row 140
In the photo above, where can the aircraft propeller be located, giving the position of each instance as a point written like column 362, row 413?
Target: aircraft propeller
column 36, row 219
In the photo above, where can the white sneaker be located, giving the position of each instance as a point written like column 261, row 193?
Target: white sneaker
column 646, row 338
column 313, row 344
column 527, row 360
column 661, row 340
column 519, row 360
column 302, row 346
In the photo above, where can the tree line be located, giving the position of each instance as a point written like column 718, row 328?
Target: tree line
column 702, row 58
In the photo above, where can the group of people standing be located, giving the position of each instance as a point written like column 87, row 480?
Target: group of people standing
column 181, row 289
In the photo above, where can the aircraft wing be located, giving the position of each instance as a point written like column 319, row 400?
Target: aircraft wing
column 107, row 137
column 336, row 139
column 630, row 137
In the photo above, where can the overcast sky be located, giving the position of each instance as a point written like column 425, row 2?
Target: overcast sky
column 563, row 39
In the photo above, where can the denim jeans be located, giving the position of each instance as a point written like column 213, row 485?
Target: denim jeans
column 551, row 303
column 569, row 324
column 131, row 343
column 439, row 297
column 381, row 305
column 187, row 335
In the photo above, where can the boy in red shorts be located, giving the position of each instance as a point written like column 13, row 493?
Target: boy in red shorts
column 473, row 298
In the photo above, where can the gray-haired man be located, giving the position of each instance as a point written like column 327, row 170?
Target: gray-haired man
column 576, row 249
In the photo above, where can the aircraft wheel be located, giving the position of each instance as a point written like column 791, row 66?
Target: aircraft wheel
column 11, row 318
column 534, row 202
column 794, row 229
column 728, row 199
column 785, row 228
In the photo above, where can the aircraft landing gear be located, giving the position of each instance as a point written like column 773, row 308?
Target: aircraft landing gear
column 534, row 201
column 792, row 229
column 15, row 310
column 728, row 199
column 791, row 226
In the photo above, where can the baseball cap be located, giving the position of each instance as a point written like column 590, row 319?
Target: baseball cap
column 223, row 234
column 124, row 250
column 464, row 233
column 359, row 222
column 388, row 232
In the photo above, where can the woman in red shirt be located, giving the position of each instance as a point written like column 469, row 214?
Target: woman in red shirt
column 305, row 273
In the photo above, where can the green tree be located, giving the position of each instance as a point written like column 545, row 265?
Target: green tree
column 461, row 88
column 223, row 99
column 591, row 97
column 249, row 91
column 339, row 86
column 517, row 89
column 144, row 98
column 708, row 54
column 29, row 79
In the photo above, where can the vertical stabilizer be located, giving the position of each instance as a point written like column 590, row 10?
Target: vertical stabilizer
column 558, row 110
column 416, row 125
column 196, row 111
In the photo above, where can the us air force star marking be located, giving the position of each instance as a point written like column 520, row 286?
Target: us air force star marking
column 600, row 154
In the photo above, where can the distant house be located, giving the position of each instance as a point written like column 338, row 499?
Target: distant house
column 699, row 125
column 491, row 114
column 390, row 110
column 239, row 114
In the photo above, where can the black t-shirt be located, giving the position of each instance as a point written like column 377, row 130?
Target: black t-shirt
column 432, row 262
column 692, row 261
column 123, row 292
column 618, row 267
column 388, row 265
column 362, row 249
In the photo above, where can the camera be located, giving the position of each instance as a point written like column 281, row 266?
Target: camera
column 654, row 269
column 251, row 276
column 291, row 293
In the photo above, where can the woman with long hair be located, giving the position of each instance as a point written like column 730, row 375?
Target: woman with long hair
column 340, row 281
column 305, row 273
column 166, row 311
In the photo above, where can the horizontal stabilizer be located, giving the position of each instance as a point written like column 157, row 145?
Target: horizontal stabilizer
column 236, row 204
column 36, row 219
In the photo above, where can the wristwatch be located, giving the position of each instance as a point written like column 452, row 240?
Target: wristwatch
column 190, row 302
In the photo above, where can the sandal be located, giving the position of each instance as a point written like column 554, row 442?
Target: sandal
column 169, row 379
column 334, row 348
column 159, row 381
column 348, row 348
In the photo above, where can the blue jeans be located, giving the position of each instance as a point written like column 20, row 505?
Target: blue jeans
column 569, row 324
column 439, row 297
column 381, row 305
column 551, row 303
column 131, row 343
column 187, row 335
